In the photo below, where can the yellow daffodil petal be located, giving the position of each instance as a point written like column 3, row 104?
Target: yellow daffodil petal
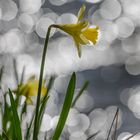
column 77, row 46
column 91, row 34
column 81, row 13
column 30, row 89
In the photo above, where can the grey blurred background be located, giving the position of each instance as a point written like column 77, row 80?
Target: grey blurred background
column 112, row 66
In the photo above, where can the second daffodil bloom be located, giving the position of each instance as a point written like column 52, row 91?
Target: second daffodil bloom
column 30, row 89
column 81, row 31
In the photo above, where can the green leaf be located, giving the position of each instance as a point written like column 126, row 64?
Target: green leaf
column 15, row 71
column 84, row 87
column 1, row 73
column 66, row 107
column 16, row 121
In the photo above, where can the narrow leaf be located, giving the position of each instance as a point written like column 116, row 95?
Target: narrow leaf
column 84, row 87
column 66, row 107
column 112, row 123
column 16, row 121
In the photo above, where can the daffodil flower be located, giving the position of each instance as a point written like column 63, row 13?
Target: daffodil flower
column 81, row 31
column 30, row 89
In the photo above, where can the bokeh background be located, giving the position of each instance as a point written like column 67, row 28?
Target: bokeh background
column 112, row 66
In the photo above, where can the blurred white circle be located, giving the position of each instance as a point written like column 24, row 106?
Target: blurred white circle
column 125, row 94
column 110, row 9
column 58, row 2
column 134, row 102
column 131, row 44
column 8, row 10
column 42, row 27
column 46, row 123
column 78, row 136
column 73, row 118
column 26, row 23
column 124, row 136
column 132, row 65
column 67, row 18
column 111, row 111
column 94, row 1
column 61, row 83
column 85, row 103
column 30, row 6
column 14, row 42
column 25, row 60
column 82, row 125
column 132, row 10
column 54, row 121
column 52, row 15
column 98, row 118
column 125, row 27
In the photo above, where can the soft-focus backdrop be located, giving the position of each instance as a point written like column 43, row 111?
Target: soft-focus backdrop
column 112, row 66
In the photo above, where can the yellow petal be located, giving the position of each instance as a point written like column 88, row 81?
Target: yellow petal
column 77, row 46
column 91, row 34
column 81, row 13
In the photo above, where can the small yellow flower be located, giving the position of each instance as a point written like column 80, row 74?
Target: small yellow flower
column 81, row 31
column 30, row 89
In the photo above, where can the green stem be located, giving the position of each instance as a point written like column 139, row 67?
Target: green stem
column 35, row 132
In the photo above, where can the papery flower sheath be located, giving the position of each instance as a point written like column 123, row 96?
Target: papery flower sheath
column 81, row 32
column 30, row 89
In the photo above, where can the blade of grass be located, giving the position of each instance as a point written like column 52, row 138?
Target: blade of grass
column 29, row 128
column 22, row 76
column 5, row 135
column 1, row 72
column 116, row 125
column 94, row 135
column 84, row 87
column 15, row 71
column 66, row 107
column 112, row 123
column 44, row 101
column 16, row 121
column 132, row 136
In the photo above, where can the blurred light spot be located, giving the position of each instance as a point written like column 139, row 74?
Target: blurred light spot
column 85, row 103
column 124, row 136
column 46, row 123
column 42, row 27
column 26, row 23
column 78, row 136
column 13, row 41
column 125, row 27
column 94, row 1
column 58, row 2
column 9, row 9
column 131, row 44
column 82, row 125
column 73, row 118
column 61, row 83
column 54, row 122
column 30, row 6
column 132, row 65
column 110, row 9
